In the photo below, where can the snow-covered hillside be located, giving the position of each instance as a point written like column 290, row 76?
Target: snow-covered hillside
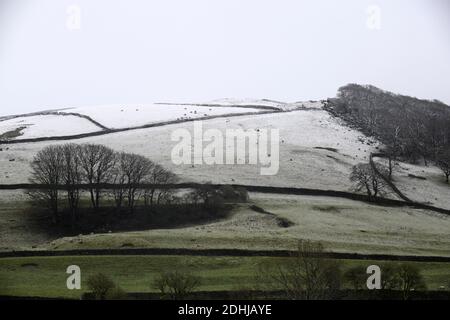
column 285, row 106
column 247, row 102
column 28, row 127
column 73, row 121
column 317, row 151
column 125, row 116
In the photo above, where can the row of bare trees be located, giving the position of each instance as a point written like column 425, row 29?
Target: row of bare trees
column 308, row 275
column 404, row 278
column 71, row 165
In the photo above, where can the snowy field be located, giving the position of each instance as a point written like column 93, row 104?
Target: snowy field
column 247, row 102
column 47, row 126
column 316, row 151
column 120, row 116
column 430, row 188
column 112, row 117
column 302, row 164
column 267, row 103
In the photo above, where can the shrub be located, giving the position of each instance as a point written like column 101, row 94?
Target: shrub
column 306, row 276
column 243, row 194
column 228, row 192
column 356, row 277
column 176, row 285
column 389, row 277
column 100, row 285
column 410, row 280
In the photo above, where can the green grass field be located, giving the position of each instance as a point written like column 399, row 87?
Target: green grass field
column 340, row 225
column 46, row 276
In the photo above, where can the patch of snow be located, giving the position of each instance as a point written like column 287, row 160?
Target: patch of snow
column 247, row 102
column 125, row 116
column 48, row 125
column 431, row 189
column 285, row 106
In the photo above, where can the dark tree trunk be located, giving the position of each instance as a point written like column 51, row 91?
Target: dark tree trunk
column 97, row 198
column 390, row 167
column 91, row 191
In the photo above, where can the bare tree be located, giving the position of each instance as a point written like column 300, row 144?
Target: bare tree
column 209, row 197
column 158, row 175
column 417, row 133
column 72, row 177
column 97, row 163
column 133, row 170
column 389, row 279
column 47, row 169
column 307, row 275
column 166, row 178
column 205, row 194
column 356, row 276
column 410, row 280
column 367, row 180
column 393, row 145
column 118, row 178
column 443, row 162
column 176, row 285
column 438, row 135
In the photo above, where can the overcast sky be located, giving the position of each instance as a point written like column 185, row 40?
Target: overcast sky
column 197, row 50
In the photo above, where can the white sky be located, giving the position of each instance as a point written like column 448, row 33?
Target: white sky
column 133, row 51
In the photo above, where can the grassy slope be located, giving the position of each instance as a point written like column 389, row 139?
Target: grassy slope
column 18, row 227
column 341, row 225
column 46, row 277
